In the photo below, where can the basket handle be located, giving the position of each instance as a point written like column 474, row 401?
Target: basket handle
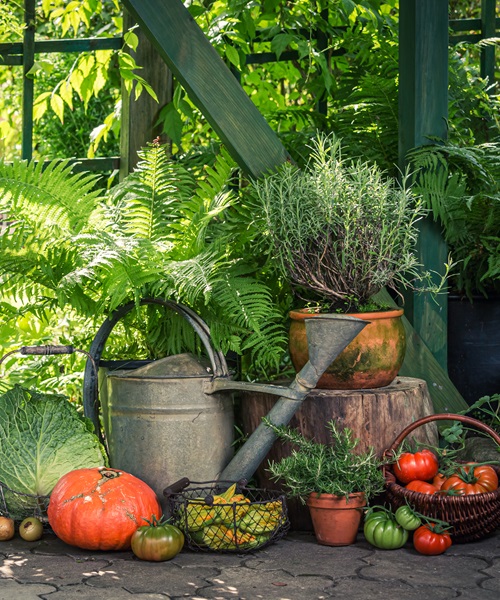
column 176, row 487
column 90, row 396
column 441, row 417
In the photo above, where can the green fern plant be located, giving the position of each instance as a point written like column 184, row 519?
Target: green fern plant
column 461, row 187
column 162, row 232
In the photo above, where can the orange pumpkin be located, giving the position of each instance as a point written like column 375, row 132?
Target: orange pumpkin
column 100, row 508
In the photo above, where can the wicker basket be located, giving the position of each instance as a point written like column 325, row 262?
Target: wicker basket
column 472, row 517
column 245, row 525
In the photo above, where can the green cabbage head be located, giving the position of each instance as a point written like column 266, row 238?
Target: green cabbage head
column 42, row 437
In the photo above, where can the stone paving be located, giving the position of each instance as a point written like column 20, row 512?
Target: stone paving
column 294, row 568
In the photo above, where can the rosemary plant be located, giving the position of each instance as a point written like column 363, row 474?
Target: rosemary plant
column 341, row 230
column 315, row 467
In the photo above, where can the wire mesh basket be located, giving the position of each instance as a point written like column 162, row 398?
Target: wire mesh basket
column 18, row 505
column 223, row 516
column 471, row 517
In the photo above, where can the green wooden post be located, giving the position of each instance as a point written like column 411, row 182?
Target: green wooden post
column 423, row 110
column 488, row 30
column 28, row 83
column 139, row 117
column 210, row 84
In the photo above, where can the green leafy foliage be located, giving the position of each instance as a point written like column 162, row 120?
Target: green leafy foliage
column 162, row 232
column 460, row 185
column 42, row 437
column 338, row 468
column 340, row 230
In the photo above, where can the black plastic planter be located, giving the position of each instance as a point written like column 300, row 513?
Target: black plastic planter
column 474, row 346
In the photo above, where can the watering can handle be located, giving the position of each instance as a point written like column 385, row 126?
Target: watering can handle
column 90, row 395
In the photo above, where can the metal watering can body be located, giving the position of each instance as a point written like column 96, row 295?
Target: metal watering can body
column 156, row 420
column 174, row 417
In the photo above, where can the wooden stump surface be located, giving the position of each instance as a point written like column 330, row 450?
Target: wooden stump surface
column 376, row 417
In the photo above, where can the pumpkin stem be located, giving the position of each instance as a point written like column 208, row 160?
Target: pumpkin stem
column 110, row 473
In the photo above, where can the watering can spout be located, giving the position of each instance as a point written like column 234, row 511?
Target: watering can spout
column 327, row 336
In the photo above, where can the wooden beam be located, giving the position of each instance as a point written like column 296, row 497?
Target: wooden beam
column 139, row 117
column 210, row 84
column 488, row 30
column 28, row 82
column 423, row 111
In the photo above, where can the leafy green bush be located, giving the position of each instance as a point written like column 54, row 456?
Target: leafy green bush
column 162, row 232
column 461, row 186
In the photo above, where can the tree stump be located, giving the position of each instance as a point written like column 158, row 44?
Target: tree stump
column 376, row 417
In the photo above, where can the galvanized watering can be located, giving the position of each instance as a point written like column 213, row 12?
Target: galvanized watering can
column 173, row 418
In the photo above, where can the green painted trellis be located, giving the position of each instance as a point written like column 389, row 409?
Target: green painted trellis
column 423, row 111
column 23, row 54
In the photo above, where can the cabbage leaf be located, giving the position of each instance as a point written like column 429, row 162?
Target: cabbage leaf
column 42, row 437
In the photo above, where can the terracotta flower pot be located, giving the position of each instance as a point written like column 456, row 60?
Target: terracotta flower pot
column 336, row 519
column 371, row 360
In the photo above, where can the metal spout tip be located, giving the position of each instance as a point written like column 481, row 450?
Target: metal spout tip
column 328, row 335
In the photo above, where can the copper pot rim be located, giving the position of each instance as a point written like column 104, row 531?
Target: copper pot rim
column 300, row 314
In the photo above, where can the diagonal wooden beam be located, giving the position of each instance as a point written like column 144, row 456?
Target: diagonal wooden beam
column 210, row 84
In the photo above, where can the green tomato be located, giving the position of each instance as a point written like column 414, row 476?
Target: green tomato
column 157, row 542
column 382, row 531
column 31, row 529
column 407, row 518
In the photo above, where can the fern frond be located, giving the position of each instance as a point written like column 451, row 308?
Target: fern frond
column 461, row 186
column 147, row 202
column 194, row 279
column 202, row 210
column 53, row 196
column 250, row 307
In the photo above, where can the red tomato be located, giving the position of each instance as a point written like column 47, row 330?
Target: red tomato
column 430, row 540
column 421, row 486
column 471, row 479
column 438, row 481
column 421, row 465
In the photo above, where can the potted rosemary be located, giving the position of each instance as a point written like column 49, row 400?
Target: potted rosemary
column 341, row 231
column 335, row 481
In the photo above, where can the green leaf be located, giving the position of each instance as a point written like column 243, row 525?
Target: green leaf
column 233, row 55
column 66, row 93
column 281, row 42
column 40, row 105
column 76, row 80
column 57, row 105
column 131, row 40
column 40, row 65
column 126, row 61
column 172, row 123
